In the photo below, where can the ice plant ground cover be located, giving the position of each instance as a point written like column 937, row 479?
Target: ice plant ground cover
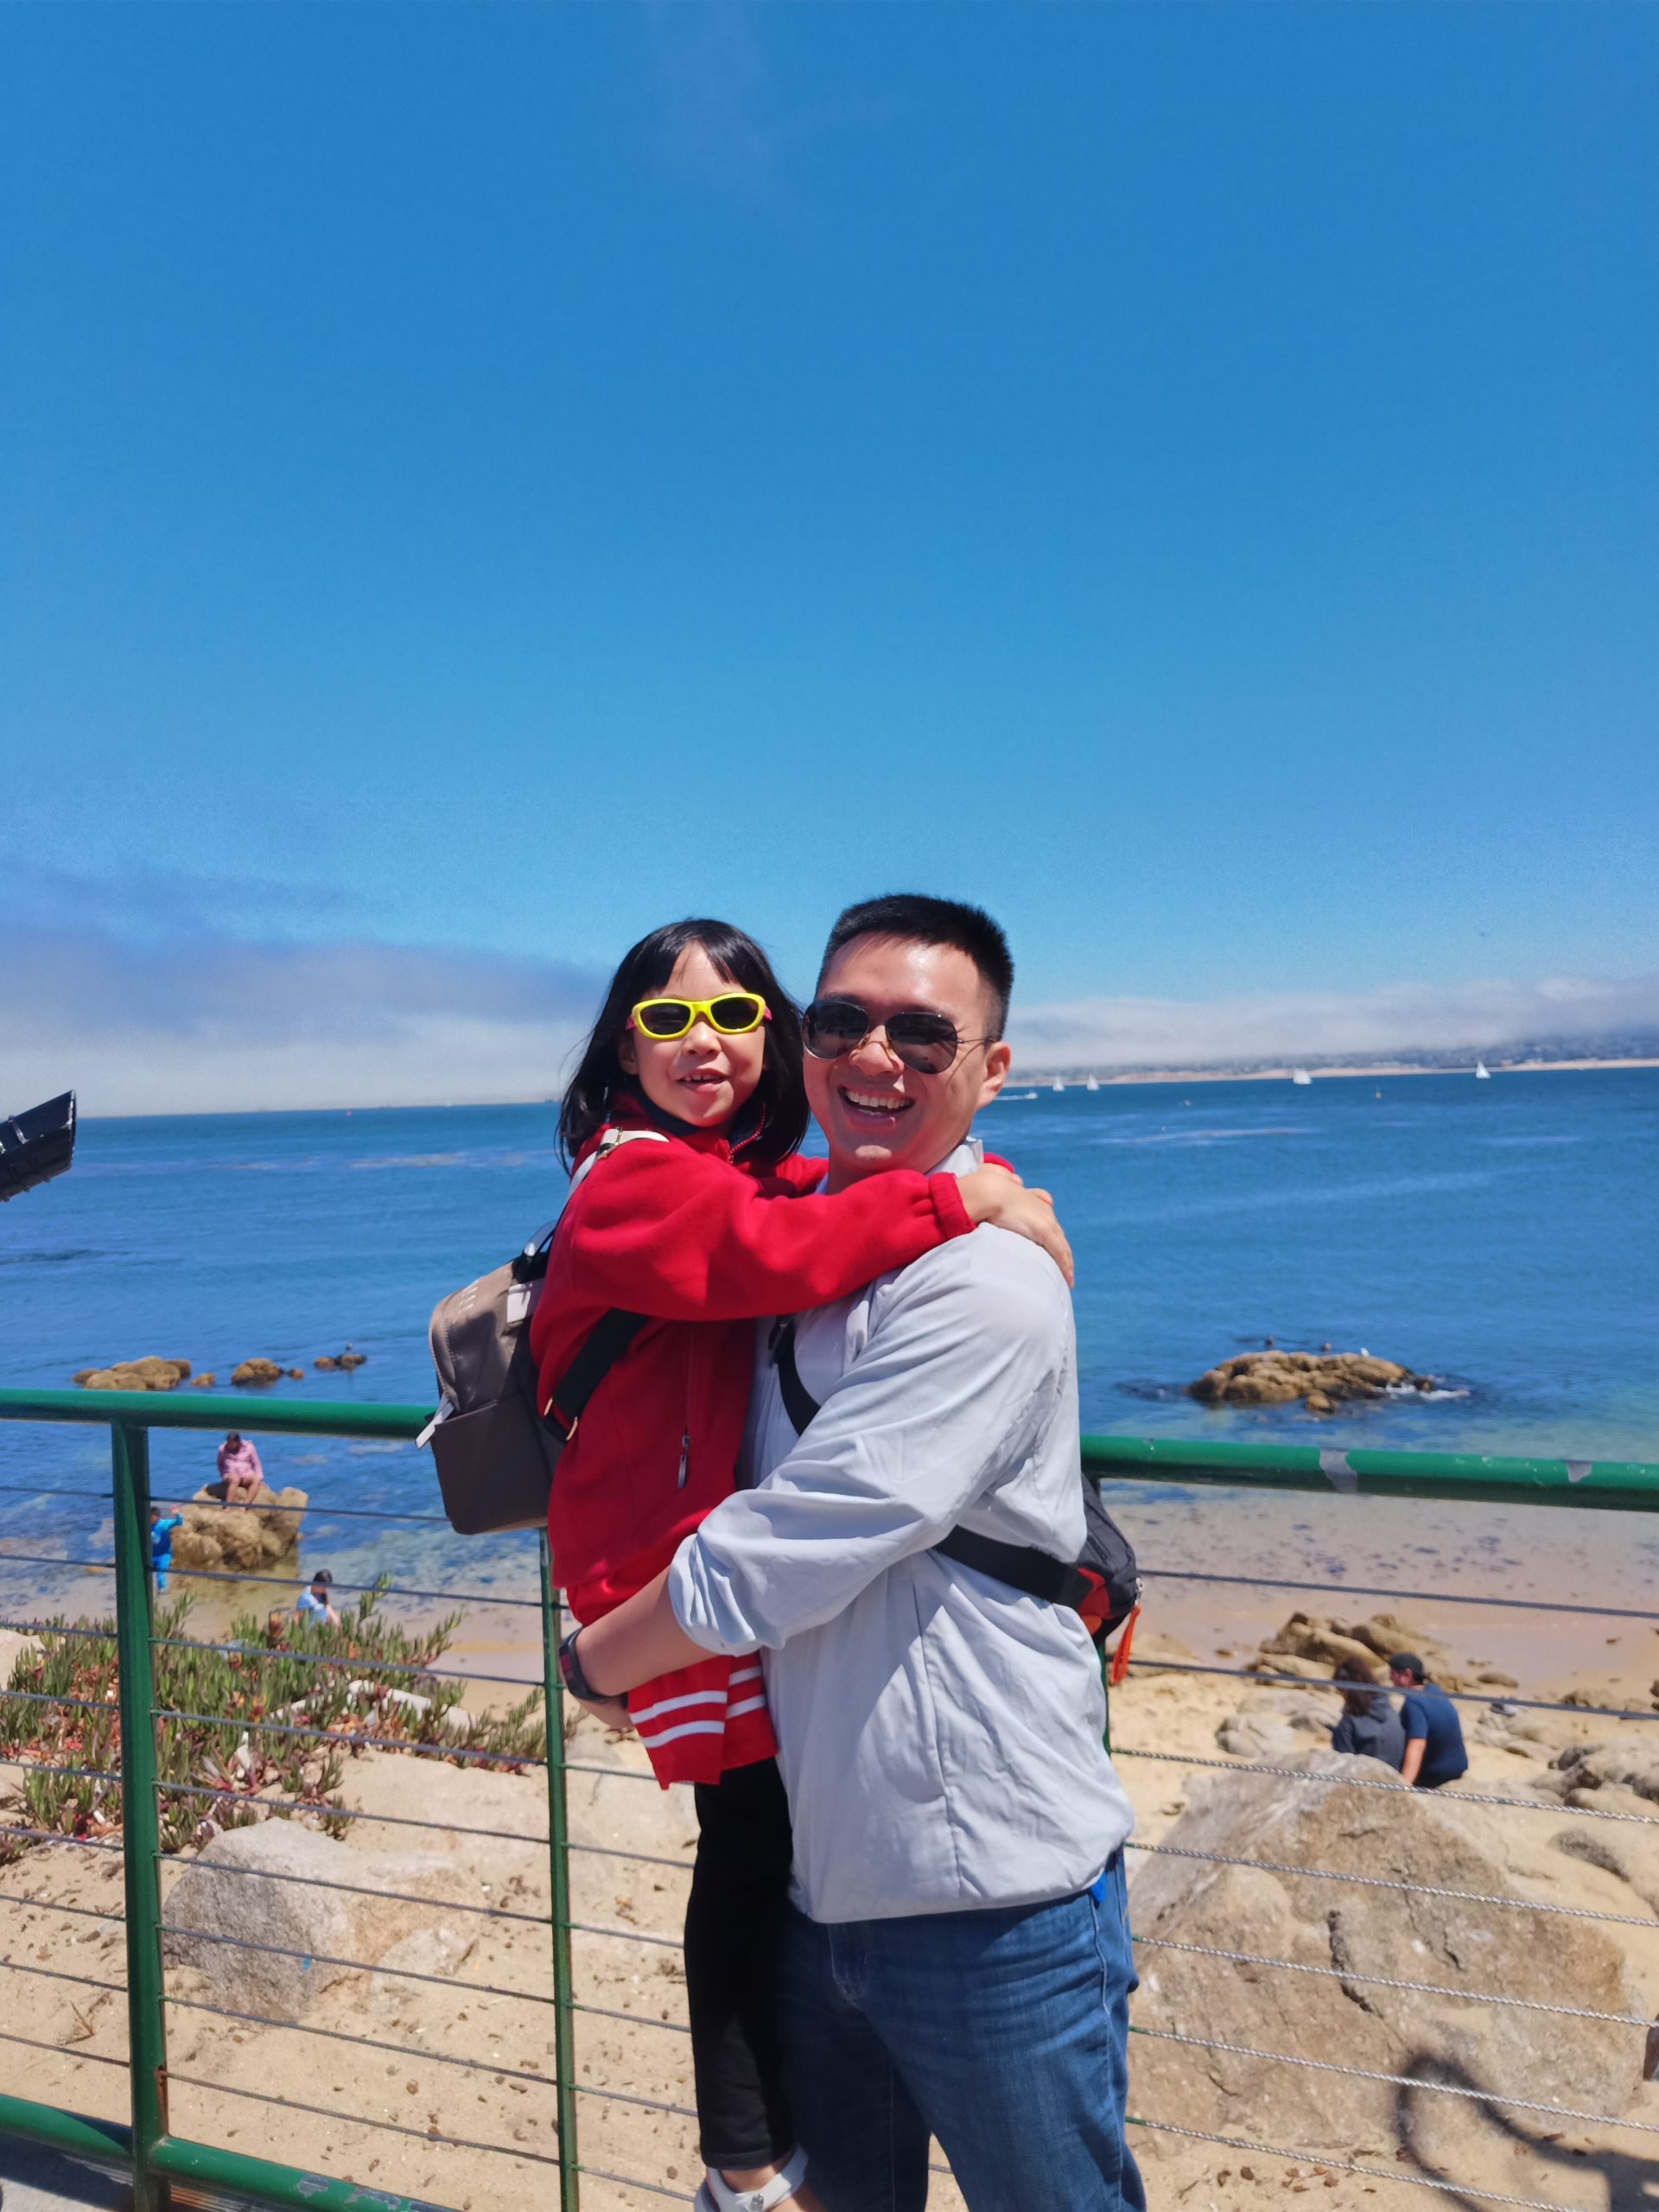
column 366, row 1680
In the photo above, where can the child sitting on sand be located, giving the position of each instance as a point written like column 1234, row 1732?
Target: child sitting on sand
column 314, row 1602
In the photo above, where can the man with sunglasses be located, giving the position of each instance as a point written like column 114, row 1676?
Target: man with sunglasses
column 959, row 1960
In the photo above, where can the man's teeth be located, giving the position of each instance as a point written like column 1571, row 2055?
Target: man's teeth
column 877, row 1103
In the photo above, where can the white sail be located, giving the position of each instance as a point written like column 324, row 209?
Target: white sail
column 1093, row 1083
column 1300, row 1075
column 1483, row 1073
column 1057, row 1084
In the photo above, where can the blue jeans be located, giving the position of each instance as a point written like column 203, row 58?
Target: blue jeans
column 1003, row 2033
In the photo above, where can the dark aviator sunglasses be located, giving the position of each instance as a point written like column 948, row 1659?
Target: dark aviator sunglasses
column 926, row 1043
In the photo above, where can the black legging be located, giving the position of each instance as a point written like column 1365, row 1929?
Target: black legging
column 734, row 1934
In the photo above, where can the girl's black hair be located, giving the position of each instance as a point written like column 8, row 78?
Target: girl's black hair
column 780, row 1094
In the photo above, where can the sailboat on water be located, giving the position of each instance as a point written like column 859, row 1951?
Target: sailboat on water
column 1057, row 1084
column 1483, row 1073
column 1300, row 1076
column 1093, row 1083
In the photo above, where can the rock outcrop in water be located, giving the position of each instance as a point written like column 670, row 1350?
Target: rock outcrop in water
column 147, row 1373
column 228, row 1539
column 1324, row 1379
column 255, row 1374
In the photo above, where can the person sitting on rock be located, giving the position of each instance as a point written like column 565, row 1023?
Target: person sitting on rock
column 314, row 1602
column 1370, row 1727
column 160, row 1542
column 239, row 1469
column 1434, row 1750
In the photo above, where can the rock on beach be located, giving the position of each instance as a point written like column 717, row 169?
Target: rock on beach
column 264, row 1885
column 1310, row 1645
column 1361, row 1944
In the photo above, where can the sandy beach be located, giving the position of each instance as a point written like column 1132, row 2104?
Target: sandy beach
column 467, row 2052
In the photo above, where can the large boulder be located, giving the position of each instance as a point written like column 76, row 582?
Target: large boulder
column 273, row 1886
column 1362, row 1941
column 245, row 1538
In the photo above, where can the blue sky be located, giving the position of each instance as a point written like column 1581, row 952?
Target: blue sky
column 480, row 481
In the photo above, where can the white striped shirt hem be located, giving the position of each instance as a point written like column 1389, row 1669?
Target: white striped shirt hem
column 677, row 1704
column 685, row 1728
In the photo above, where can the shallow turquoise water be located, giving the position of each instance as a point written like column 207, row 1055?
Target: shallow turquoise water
column 1503, row 1236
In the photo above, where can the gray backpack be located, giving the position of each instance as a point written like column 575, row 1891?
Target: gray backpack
column 495, row 1446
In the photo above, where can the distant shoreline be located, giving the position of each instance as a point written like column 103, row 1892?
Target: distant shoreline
column 1022, row 1078
column 1078, row 1076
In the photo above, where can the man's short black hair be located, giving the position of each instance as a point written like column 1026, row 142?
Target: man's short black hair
column 913, row 918
column 1408, row 1663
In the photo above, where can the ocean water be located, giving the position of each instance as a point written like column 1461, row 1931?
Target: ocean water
column 1502, row 1236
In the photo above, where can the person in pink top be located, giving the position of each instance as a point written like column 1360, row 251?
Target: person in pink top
column 238, row 1465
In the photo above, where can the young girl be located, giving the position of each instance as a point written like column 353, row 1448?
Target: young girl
column 688, row 1209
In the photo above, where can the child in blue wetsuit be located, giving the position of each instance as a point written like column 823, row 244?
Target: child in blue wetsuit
column 161, row 1542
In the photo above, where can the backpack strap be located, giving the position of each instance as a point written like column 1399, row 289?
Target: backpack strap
column 799, row 1401
column 1038, row 1573
column 608, row 1143
column 611, row 1335
column 606, row 1343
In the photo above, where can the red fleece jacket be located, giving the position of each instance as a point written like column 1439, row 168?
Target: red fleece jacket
column 685, row 1233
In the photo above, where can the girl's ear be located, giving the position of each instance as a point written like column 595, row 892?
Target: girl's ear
column 626, row 1055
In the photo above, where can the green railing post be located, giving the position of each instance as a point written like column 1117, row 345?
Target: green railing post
column 558, row 1841
column 140, row 1825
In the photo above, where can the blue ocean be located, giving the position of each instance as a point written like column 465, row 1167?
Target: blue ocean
column 1502, row 1236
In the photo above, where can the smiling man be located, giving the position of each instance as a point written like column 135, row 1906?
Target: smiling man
column 958, row 1963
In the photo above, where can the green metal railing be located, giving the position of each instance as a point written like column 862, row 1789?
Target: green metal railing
column 146, row 2146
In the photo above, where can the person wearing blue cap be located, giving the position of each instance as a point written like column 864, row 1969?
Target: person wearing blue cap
column 1434, row 1747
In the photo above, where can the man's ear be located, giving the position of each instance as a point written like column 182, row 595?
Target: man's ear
column 627, row 1053
column 998, row 1060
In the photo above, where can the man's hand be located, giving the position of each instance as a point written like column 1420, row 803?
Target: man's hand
column 997, row 1195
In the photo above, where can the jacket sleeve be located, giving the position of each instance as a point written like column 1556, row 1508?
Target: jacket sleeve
column 957, row 1382
column 675, row 1234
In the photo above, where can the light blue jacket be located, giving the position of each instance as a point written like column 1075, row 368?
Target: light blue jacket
column 940, row 1733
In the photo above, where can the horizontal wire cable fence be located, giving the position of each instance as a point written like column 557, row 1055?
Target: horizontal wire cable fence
column 125, row 1741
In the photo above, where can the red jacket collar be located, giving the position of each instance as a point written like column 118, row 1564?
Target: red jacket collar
column 630, row 1111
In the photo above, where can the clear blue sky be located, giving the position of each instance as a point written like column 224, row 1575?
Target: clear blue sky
column 494, row 477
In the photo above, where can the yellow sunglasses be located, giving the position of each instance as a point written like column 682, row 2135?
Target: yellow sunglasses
column 733, row 1014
